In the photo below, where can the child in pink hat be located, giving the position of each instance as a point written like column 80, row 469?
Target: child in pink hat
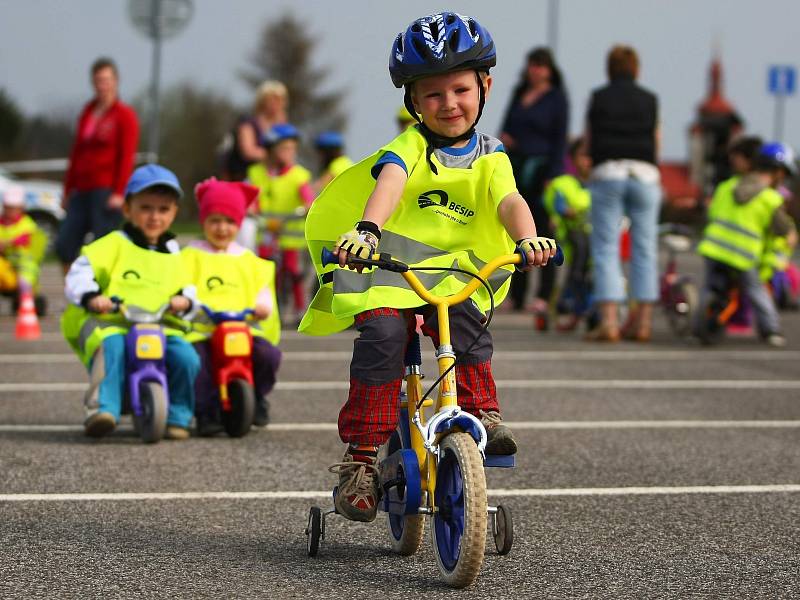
column 230, row 277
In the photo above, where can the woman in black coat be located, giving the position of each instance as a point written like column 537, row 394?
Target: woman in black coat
column 534, row 134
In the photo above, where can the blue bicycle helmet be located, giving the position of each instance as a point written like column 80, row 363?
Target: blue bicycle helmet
column 278, row 133
column 329, row 139
column 440, row 43
column 777, row 155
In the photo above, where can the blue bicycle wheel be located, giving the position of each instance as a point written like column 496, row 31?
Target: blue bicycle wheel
column 459, row 524
column 405, row 531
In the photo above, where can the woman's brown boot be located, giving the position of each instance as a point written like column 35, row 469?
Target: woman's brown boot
column 608, row 329
column 639, row 324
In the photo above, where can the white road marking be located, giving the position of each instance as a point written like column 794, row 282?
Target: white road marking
column 516, row 425
column 507, row 384
column 501, row 355
column 313, row 494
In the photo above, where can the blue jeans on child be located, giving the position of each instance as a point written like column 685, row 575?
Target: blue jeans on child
column 611, row 199
column 183, row 365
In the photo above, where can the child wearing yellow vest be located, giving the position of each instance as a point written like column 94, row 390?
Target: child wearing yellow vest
column 285, row 195
column 330, row 149
column 568, row 202
column 141, row 265
column 743, row 214
column 230, row 277
column 438, row 193
column 21, row 245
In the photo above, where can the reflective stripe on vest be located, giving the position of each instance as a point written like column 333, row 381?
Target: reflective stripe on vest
column 442, row 220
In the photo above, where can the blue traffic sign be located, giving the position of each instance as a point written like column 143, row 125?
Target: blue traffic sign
column 781, row 80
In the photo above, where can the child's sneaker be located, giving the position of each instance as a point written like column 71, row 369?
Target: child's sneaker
column 776, row 340
column 500, row 440
column 261, row 417
column 99, row 424
column 176, row 433
column 357, row 496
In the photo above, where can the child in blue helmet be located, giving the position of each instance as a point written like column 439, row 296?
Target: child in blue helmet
column 284, row 198
column 744, row 214
column 438, row 192
column 333, row 160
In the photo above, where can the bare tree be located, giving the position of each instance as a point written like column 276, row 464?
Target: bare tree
column 285, row 53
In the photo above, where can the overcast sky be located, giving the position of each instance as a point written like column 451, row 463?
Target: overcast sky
column 46, row 47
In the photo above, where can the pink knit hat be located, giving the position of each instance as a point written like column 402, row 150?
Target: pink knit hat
column 228, row 198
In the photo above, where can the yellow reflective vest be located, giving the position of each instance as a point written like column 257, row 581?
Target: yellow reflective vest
column 24, row 259
column 339, row 165
column 447, row 219
column 138, row 276
column 228, row 282
column 736, row 232
column 280, row 198
column 577, row 197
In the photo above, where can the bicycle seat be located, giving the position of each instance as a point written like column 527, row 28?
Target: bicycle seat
column 676, row 243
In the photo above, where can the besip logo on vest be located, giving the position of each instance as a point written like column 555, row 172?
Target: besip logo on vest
column 440, row 200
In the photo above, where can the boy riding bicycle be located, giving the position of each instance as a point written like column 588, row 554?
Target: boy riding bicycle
column 441, row 194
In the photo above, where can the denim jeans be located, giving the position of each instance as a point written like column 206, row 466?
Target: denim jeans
column 183, row 365
column 611, row 199
column 87, row 212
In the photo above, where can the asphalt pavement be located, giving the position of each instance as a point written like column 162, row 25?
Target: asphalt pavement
column 660, row 470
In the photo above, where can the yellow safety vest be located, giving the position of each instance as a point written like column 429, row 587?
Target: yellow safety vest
column 444, row 220
column 777, row 253
column 736, row 232
column 578, row 198
column 138, row 276
column 227, row 282
column 280, row 197
column 24, row 260
column 339, row 165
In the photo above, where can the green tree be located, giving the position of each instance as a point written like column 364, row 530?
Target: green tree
column 193, row 121
column 11, row 123
column 284, row 52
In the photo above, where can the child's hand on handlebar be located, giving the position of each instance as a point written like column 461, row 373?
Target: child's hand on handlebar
column 179, row 304
column 100, row 304
column 538, row 251
column 359, row 243
column 261, row 312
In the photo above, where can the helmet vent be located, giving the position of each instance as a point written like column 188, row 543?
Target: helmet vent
column 473, row 30
column 434, row 27
column 421, row 48
column 416, row 28
column 450, row 19
column 453, row 41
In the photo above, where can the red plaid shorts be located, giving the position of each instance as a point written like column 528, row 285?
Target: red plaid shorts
column 370, row 414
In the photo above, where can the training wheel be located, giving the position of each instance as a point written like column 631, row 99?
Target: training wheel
column 503, row 530
column 314, row 530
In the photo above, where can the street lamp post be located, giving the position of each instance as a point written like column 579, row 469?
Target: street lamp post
column 157, row 20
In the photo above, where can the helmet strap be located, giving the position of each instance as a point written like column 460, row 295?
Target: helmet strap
column 441, row 141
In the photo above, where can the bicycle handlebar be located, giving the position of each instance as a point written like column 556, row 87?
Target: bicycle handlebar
column 218, row 316
column 386, row 262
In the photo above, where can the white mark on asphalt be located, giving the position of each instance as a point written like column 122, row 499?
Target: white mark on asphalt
column 517, row 425
column 311, row 494
column 507, row 384
column 507, row 355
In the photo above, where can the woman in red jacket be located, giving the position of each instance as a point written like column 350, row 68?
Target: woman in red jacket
column 100, row 164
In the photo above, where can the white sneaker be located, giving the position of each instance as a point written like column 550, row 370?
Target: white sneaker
column 776, row 340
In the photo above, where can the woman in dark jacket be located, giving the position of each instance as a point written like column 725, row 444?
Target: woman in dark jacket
column 534, row 134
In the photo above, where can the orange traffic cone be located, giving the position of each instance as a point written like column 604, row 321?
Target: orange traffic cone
column 27, row 321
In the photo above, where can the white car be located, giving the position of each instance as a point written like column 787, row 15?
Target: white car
column 42, row 202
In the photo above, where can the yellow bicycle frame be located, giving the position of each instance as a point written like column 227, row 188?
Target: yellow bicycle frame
column 447, row 396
